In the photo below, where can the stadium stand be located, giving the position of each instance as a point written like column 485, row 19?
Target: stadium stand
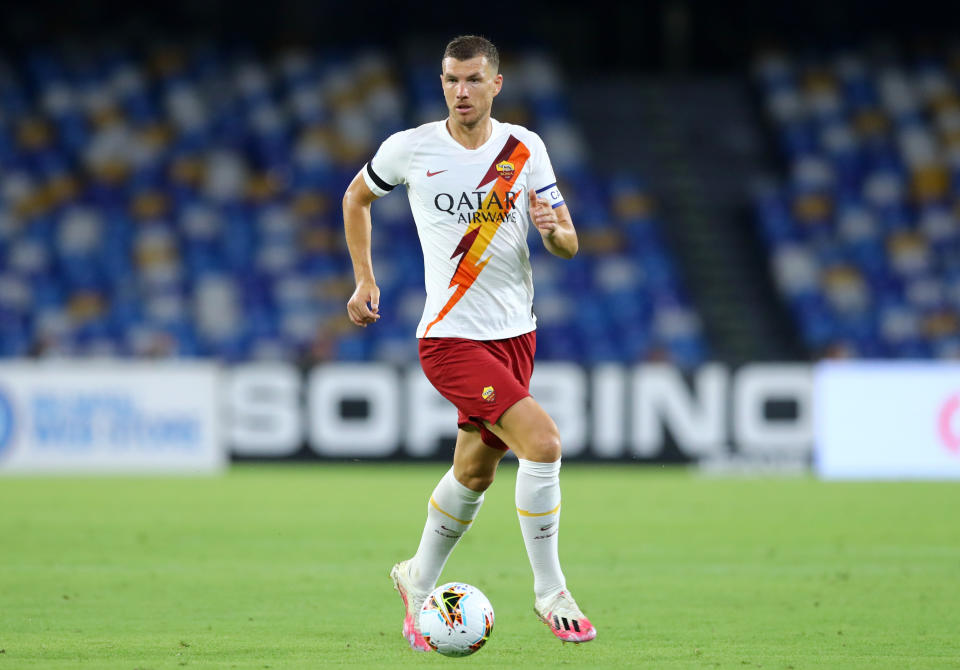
column 184, row 202
column 863, row 232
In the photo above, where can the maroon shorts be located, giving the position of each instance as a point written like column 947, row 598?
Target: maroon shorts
column 482, row 378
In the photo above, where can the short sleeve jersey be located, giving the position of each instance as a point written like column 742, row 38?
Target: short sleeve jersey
column 471, row 208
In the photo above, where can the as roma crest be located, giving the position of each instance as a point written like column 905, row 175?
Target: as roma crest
column 505, row 169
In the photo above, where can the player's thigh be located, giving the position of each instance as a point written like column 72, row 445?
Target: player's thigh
column 475, row 463
column 529, row 431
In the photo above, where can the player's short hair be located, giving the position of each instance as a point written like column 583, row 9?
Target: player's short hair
column 466, row 47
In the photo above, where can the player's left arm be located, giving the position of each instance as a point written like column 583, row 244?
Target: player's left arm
column 555, row 226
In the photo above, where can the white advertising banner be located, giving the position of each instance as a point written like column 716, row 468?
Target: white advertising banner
column 755, row 415
column 94, row 416
column 887, row 420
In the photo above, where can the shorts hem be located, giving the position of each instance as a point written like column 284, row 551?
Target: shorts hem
column 504, row 410
column 475, row 419
column 492, row 441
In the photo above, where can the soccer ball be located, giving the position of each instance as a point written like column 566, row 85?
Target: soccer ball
column 456, row 619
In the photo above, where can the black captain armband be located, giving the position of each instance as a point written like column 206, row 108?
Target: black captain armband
column 378, row 181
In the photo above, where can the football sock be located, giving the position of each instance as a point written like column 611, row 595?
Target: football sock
column 538, row 506
column 450, row 511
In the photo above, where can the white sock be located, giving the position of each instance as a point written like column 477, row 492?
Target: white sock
column 450, row 511
column 538, row 506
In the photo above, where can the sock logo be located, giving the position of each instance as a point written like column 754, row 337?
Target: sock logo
column 547, row 527
column 489, row 394
column 452, row 534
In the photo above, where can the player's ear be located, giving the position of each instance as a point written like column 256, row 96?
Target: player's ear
column 497, row 83
column 443, row 70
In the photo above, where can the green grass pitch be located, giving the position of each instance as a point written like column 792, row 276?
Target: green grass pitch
column 286, row 567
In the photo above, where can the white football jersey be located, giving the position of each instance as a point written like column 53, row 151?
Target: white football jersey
column 471, row 208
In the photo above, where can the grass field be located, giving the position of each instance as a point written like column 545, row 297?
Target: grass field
column 286, row 567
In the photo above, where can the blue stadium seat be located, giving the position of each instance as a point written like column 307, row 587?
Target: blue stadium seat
column 865, row 258
column 185, row 202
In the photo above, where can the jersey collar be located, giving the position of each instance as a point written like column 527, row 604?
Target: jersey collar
column 494, row 132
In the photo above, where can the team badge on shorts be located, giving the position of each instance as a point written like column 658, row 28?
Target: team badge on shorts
column 505, row 168
column 489, row 394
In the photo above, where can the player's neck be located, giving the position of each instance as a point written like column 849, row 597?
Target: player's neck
column 470, row 137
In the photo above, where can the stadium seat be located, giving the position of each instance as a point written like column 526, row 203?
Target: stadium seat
column 184, row 201
column 866, row 252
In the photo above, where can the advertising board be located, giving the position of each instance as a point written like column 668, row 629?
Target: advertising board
column 887, row 420
column 94, row 416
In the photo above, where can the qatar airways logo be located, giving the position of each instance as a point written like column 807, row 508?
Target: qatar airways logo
column 948, row 424
column 468, row 206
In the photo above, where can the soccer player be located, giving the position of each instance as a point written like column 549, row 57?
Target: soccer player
column 474, row 184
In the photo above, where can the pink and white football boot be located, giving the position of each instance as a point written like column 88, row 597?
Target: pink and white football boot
column 565, row 619
column 412, row 602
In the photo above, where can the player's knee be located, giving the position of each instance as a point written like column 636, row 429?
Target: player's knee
column 544, row 448
column 475, row 478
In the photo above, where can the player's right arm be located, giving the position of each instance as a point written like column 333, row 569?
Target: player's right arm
column 363, row 306
column 385, row 171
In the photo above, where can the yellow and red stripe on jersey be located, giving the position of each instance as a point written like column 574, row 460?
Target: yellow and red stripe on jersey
column 486, row 221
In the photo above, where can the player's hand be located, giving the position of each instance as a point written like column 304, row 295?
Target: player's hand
column 542, row 214
column 363, row 308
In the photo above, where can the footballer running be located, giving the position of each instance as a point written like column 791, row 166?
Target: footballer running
column 474, row 186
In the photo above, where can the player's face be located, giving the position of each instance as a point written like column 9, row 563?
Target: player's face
column 469, row 87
